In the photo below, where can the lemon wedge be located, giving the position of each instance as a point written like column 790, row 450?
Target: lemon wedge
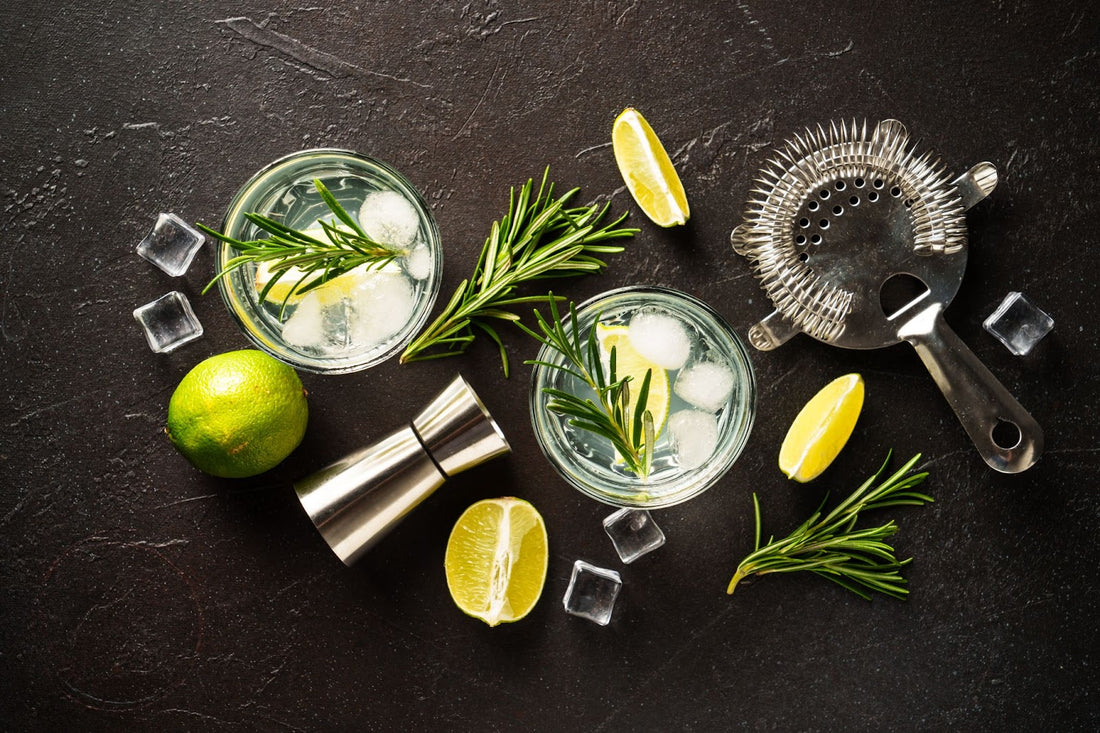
column 282, row 287
column 330, row 292
column 292, row 277
column 647, row 170
column 821, row 429
column 629, row 363
column 496, row 560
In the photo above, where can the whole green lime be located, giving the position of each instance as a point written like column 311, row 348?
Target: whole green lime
column 238, row 414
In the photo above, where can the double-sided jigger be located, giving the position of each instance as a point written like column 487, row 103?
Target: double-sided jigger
column 356, row 500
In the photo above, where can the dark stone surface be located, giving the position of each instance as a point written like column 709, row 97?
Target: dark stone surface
column 140, row 594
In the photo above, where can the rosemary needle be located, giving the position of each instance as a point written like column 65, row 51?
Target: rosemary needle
column 857, row 559
column 314, row 261
column 540, row 237
column 626, row 423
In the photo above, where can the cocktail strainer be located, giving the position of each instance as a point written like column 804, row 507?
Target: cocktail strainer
column 861, row 243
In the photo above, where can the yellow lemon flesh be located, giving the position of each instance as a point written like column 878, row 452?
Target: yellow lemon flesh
column 629, row 363
column 330, row 292
column 238, row 414
column 647, row 170
column 821, row 429
column 496, row 560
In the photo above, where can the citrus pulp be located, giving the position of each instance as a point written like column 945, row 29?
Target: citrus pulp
column 821, row 429
column 647, row 170
column 496, row 560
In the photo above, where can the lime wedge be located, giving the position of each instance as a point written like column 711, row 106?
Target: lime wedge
column 496, row 560
column 291, row 278
column 330, row 292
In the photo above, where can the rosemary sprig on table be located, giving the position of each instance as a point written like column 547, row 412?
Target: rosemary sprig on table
column 857, row 559
column 539, row 238
column 314, row 261
column 628, row 426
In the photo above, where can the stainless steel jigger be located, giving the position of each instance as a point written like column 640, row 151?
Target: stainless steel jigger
column 356, row 500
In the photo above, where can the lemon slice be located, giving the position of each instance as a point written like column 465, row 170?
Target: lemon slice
column 282, row 287
column 821, row 429
column 628, row 362
column 496, row 560
column 647, row 170
column 330, row 292
column 286, row 283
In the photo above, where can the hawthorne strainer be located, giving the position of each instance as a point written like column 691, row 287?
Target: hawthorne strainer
column 861, row 243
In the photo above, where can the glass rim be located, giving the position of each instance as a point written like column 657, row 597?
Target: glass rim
column 695, row 481
column 266, row 341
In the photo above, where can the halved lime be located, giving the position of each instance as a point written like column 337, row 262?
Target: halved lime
column 496, row 560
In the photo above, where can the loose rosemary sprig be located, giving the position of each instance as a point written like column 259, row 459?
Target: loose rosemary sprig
column 539, row 238
column 859, row 560
column 317, row 259
column 628, row 426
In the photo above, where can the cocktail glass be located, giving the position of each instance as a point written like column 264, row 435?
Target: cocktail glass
column 711, row 407
column 371, row 314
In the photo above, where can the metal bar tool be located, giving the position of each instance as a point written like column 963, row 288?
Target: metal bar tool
column 356, row 500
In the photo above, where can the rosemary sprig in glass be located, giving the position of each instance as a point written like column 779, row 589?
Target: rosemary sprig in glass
column 540, row 237
column 856, row 559
column 628, row 425
column 314, row 261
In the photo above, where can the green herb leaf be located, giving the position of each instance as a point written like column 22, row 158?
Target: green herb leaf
column 613, row 413
column 538, row 238
column 859, row 560
column 318, row 259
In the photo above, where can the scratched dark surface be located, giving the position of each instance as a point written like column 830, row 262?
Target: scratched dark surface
column 139, row 594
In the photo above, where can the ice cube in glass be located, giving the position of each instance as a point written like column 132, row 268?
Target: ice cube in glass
column 171, row 245
column 168, row 322
column 694, row 435
column 1018, row 323
column 705, row 384
column 633, row 533
column 591, row 593
column 659, row 337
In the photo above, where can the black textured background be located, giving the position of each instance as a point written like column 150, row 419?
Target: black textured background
column 139, row 594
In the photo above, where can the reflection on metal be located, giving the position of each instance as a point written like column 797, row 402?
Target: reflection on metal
column 356, row 500
column 837, row 214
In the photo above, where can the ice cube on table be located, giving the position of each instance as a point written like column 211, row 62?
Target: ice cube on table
column 705, row 384
column 1018, row 323
column 633, row 533
column 168, row 322
column 659, row 338
column 171, row 245
column 382, row 304
column 389, row 218
column 694, row 435
column 592, row 592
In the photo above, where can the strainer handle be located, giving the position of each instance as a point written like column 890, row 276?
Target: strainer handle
column 980, row 401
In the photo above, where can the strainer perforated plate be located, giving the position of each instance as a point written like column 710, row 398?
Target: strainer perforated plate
column 861, row 243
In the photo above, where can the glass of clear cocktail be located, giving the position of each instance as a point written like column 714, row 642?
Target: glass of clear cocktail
column 361, row 317
column 702, row 398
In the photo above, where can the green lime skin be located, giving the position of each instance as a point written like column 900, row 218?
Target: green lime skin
column 238, row 414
